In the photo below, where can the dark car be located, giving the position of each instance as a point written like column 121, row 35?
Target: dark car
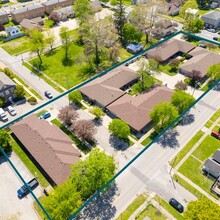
column 215, row 134
column 45, row 115
column 23, row 191
column 215, row 38
column 176, row 205
column 202, row 45
column 48, row 95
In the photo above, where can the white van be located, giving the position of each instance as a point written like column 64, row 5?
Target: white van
column 3, row 116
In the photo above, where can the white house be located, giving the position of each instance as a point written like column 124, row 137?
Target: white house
column 12, row 31
column 192, row 12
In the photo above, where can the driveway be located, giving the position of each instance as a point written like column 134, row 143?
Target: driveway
column 10, row 204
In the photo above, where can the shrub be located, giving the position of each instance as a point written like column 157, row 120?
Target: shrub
column 9, row 73
column 32, row 100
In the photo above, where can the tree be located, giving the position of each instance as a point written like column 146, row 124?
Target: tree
column 50, row 38
column 2, row 101
column 181, row 85
column 214, row 72
column 84, row 129
column 195, row 77
column 55, row 17
column 202, row 209
column 130, row 33
column 162, row 115
column 19, row 91
column 75, row 96
column 82, row 9
column 119, row 128
column 68, row 115
column 188, row 4
column 193, row 25
column 181, row 100
column 4, row 140
column 37, row 43
column 92, row 173
column 120, row 19
column 2, row 28
column 174, row 63
column 153, row 64
column 97, row 111
column 63, row 201
column 66, row 39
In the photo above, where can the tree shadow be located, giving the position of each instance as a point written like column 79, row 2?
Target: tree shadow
column 187, row 119
column 97, row 122
column 118, row 144
column 169, row 139
column 217, row 87
column 50, row 52
column 67, row 62
column 101, row 207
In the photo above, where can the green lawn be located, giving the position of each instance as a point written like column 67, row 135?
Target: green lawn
column 151, row 212
column 169, row 208
column 187, row 148
column 202, row 12
column 146, row 141
column 124, row 54
column 167, row 69
column 207, row 148
column 132, row 207
column 28, row 163
column 192, row 169
column 16, row 46
column 214, row 117
column 77, row 142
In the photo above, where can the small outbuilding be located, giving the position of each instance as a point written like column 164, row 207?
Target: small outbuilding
column 13, row 31
column 134, row 47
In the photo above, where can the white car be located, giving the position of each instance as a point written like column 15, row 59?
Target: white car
column 12, row 111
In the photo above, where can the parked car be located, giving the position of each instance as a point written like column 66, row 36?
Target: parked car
column 218, row 33
column 48, row 95
column 12, row 111
column 216, row 134
column 202, row 45
column 23, row 191
column 45, row 115
column 3, row 115
column 215, row 38
column 179, row 207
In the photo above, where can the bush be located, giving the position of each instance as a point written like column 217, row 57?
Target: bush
column 32, row 100
column 9, row 73
column 75, row 97
column 182, row 59
column 187, row 81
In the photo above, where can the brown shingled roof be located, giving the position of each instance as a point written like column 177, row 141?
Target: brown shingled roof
column 201, row 61
column 169, row 48
column 136, row 110
column 48, row 145
column 106, row 89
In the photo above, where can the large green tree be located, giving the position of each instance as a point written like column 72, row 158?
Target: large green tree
column 19, row 91
column 163, row 114
column 130, row 33
column 181, row 100
column 120, row 20
column 188, row 4
column 75, row 96
column 97, row 112
column 214, row 72
column 202, row 209
column 119, row 128
column 193, row 25
column 63, row 201
column 4, row 140
column 37, row 43
column 92, row 173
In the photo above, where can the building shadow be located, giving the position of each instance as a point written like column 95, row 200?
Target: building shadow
column 101, row 207
column 169, row 139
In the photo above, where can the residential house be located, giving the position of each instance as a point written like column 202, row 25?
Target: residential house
column 65, row 13
column 108, row 88
column 3, row 17
column 201, row 59
column 190, row 12
column 212, row 19
column 4, row 1
column 7, row 86
column 216, row 156
column 48, row 146
column 173, row 7
column 215, row 4
column 50, row 5
column 29, row 24
column 96, row 5
column 138, row 2
column 136, row 110
column 28, row 12
column 162, row 29
column 12, row 31
column 170, row 49
column 211, row 167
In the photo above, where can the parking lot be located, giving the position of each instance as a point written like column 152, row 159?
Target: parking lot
column 10, row 204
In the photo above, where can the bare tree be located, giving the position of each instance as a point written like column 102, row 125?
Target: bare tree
column 50, row 38
column 68, row 115
column 84, row 129
column 55, row 17
column 195, row 76
column 181, row 85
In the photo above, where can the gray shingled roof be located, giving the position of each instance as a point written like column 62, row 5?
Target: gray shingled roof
column 216, row 156
column 26, row 8
column 215, row 15
column 5, row 80
column 3, row 13
column 52, row 2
